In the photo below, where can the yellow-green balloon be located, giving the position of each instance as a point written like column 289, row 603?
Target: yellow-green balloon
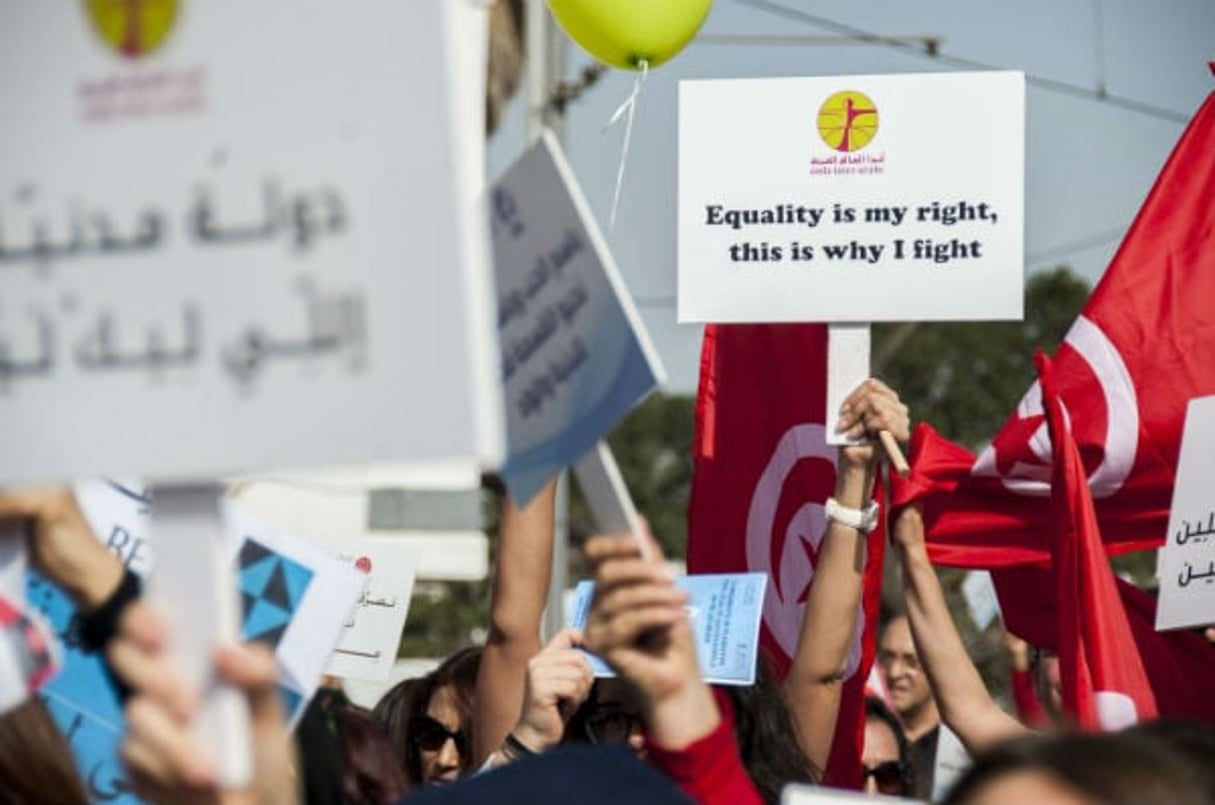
column 624, row 33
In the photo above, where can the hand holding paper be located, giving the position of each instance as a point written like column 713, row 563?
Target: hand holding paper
column 638, row 624
column 637, row 621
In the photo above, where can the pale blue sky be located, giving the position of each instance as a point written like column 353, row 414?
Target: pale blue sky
column 1088, row 163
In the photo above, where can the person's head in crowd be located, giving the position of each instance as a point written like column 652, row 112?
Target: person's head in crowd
column 430, row 721
column 1190, row 740
column 35, row 759
column 1079, row 769
column 905, row 680
column 767, row 736
column 763, row 727
column 886, row 767
column 610, row 715
column 316, row 747
column 1044, row 665
column 392, row 711
column 372, row 772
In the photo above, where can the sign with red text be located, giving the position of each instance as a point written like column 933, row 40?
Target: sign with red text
column 852, row 198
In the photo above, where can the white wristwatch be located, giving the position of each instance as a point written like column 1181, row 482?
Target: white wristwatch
column 865, row 519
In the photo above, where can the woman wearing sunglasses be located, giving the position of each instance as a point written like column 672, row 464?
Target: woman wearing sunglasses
column 429, row 719
column 884, row 763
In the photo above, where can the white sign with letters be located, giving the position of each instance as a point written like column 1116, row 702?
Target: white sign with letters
column 371, row 633
column 1186, row 563
column 852, row 198
column 239, row 236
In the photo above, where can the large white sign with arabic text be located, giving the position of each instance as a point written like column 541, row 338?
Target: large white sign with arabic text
column 236, row 236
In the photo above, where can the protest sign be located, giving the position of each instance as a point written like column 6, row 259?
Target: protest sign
column 981, row 599
column 851, row 198
column 724, row 609
column 575, row 355
column 295, row 599
column 82, row 699
column 951, row 762
column 1186, row 562
column 794, row 794
column 371, row 633
column 247, row 246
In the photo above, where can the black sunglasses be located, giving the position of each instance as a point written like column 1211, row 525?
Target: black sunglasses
column 888, row 776
column 430, row 735
column 610, row 725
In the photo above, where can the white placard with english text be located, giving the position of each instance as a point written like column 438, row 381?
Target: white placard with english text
column 852, row 198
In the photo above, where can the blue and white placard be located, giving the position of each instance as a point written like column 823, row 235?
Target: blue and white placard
column 575, row 355
column 725, row 610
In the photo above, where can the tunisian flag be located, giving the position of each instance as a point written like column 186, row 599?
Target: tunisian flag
column 1141, row 348
column 763, row 472
column 1104, row 683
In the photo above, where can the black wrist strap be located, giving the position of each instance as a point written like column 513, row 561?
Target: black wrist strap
column 97, row 628
column 516, row 746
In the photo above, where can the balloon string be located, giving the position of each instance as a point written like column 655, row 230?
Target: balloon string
column 630, row 106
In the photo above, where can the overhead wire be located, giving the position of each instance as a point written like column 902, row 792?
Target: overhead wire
column 929, row 47
column 934, row 53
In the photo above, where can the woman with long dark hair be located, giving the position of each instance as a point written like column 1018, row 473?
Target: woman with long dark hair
column 430, row 719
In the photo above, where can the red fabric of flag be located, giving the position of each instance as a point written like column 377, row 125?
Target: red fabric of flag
column 1180, row 665
column 1104, row 682
column 1143, row 346
column 763, row 472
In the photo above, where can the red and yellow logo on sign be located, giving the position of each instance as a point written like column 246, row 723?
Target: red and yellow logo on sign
column 848, row 120
column 133, row 28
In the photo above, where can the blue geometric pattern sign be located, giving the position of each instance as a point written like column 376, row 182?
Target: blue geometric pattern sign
column 83, row 702
column 271, row 587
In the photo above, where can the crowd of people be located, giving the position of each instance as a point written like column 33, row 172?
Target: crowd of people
column 516, row 720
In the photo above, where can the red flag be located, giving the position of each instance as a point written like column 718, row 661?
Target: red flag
column 1180, row 664
column 1141, row 348
column 763, row 472
column 1104, row 682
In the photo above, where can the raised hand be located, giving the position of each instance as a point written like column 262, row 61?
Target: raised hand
column 639, row 625
column 871, row 408
column 559, row 679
